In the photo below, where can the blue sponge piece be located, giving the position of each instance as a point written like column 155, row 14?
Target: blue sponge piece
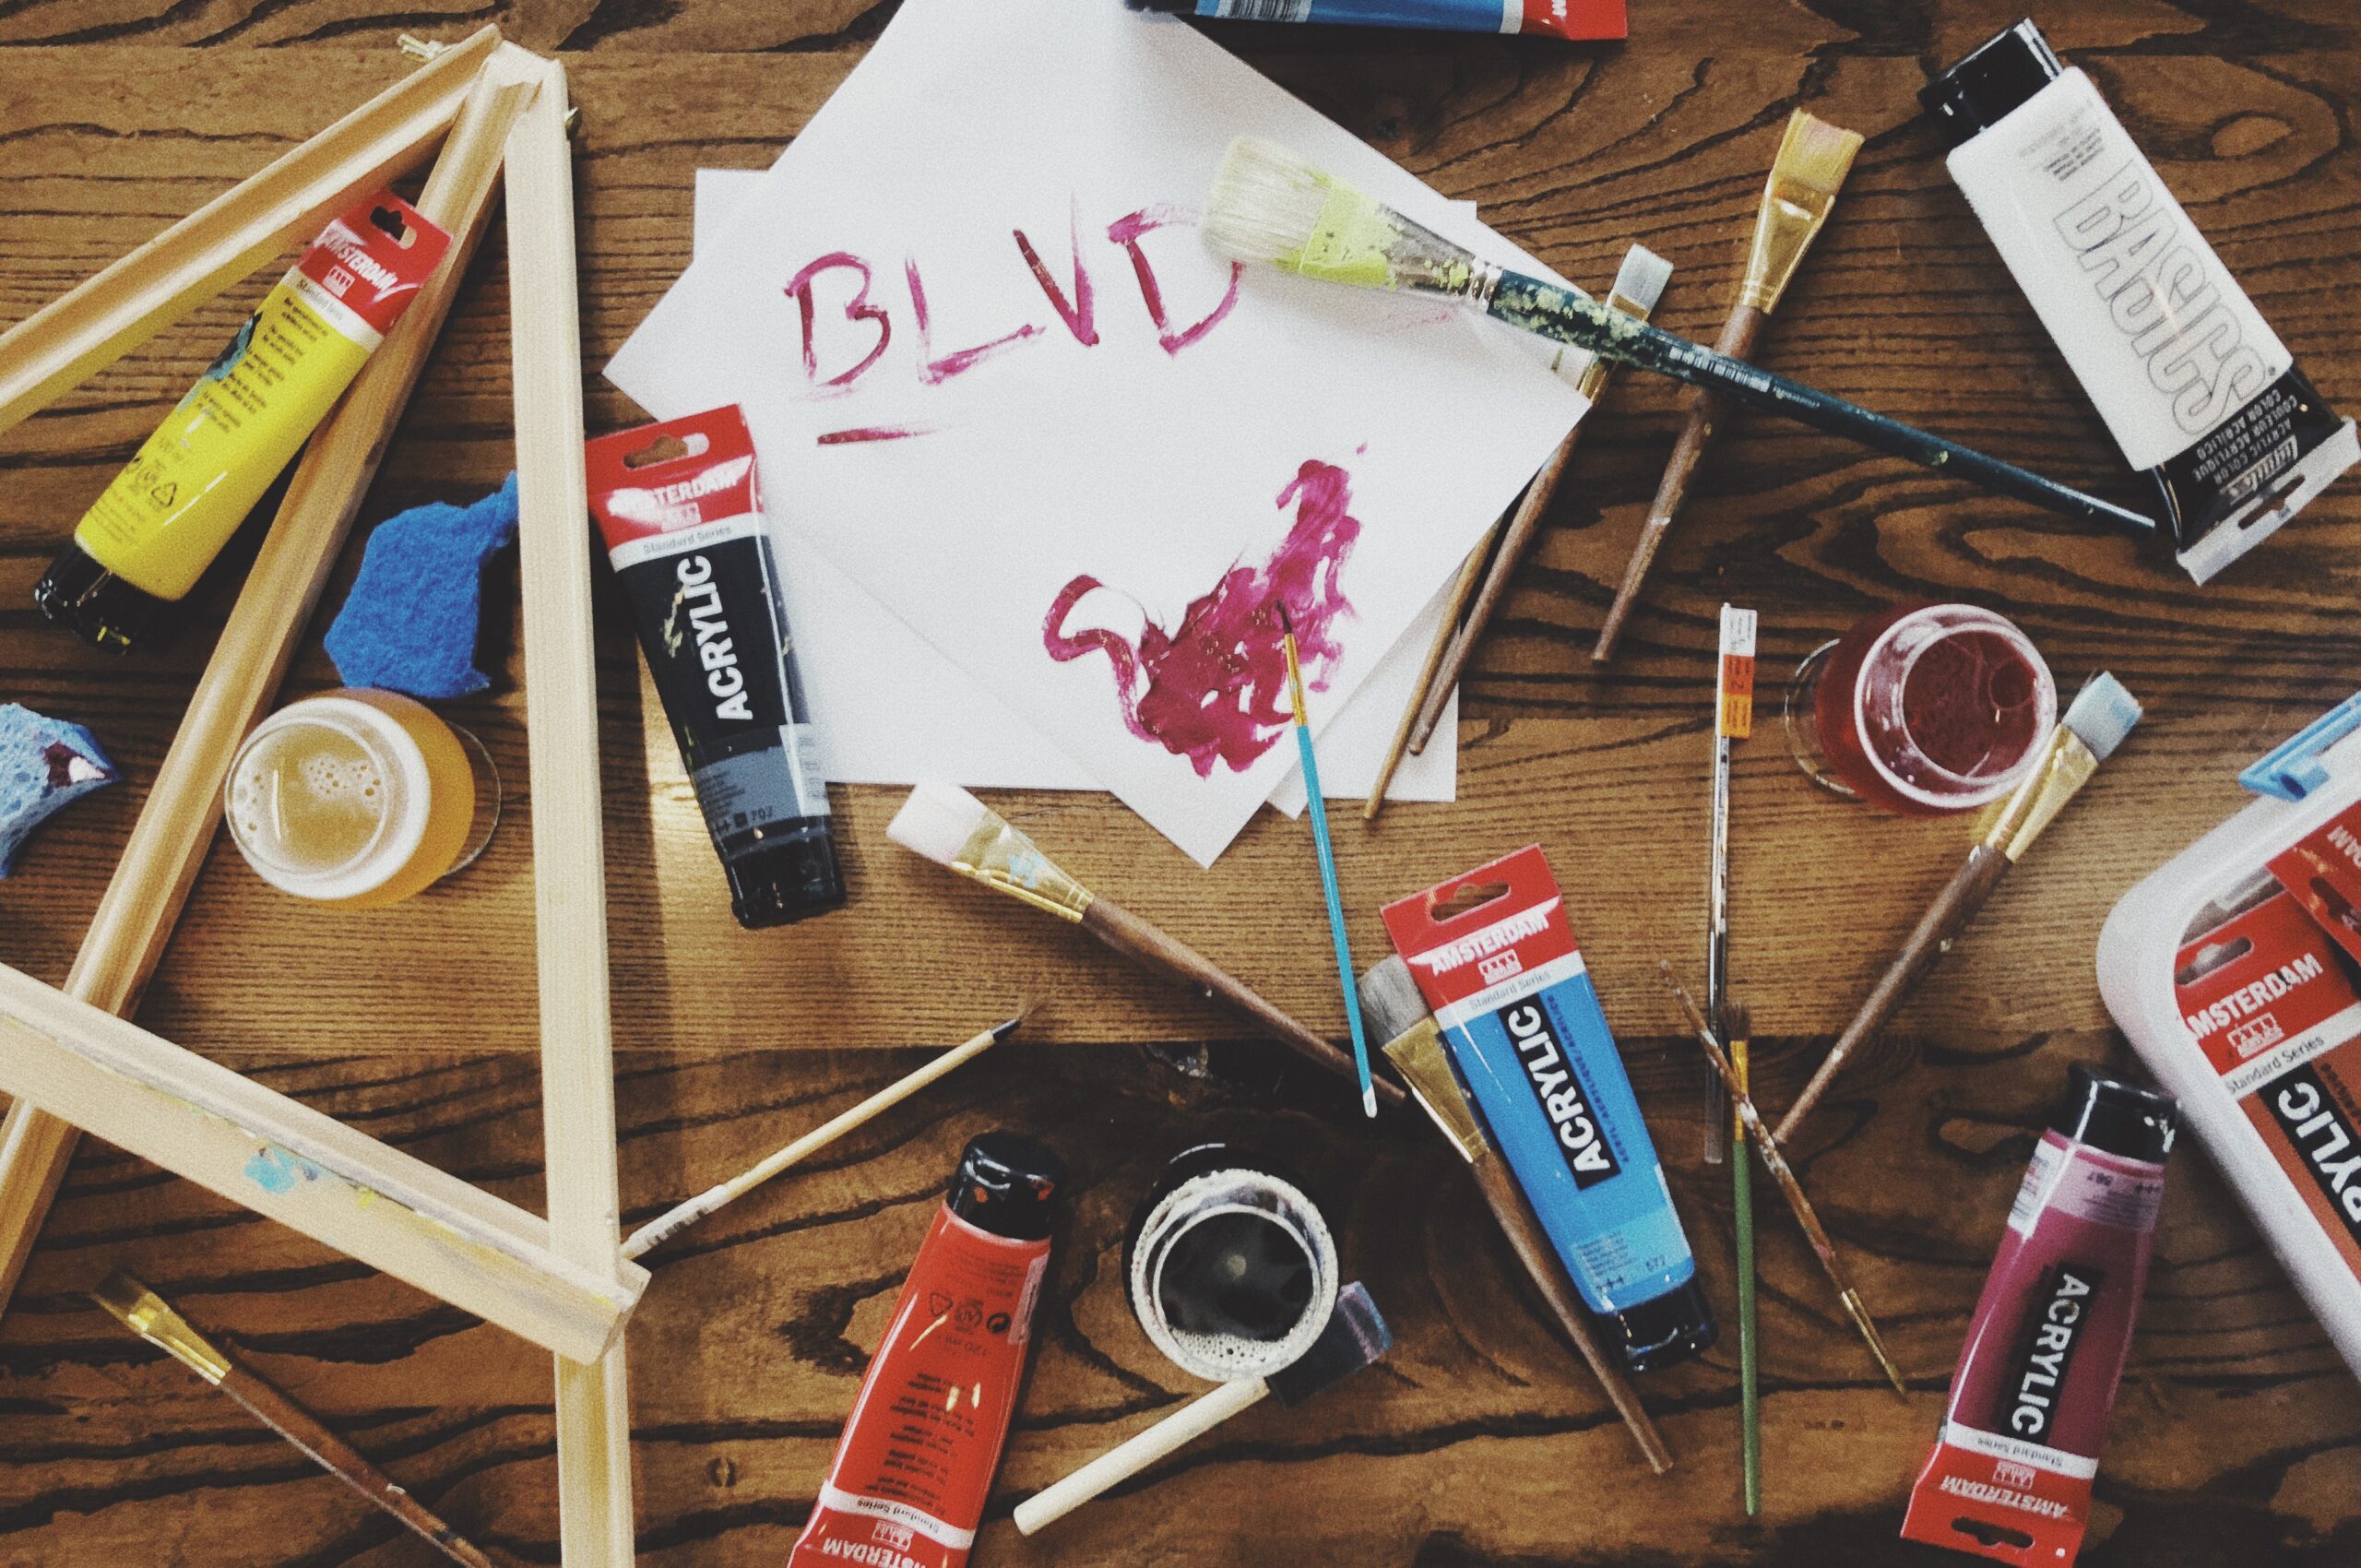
column 45, row 765
column 409, row 623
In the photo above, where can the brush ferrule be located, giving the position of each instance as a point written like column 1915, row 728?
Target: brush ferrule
column 999, row 855
column 1784, row 228
column 152, row 1318
column 2066, row 765
column 1419, row 1056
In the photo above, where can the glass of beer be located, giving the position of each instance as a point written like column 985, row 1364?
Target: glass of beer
column 359, row 799
column 1922, row 710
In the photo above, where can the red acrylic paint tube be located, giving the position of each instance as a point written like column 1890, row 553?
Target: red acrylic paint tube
column 906, row 1487
column 1545, row 18
column 2011, row 1478
column 682, row 516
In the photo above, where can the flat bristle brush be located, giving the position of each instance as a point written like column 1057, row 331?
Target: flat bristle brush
column 1414, row 1042
column 1814, row 158
column 1271, row 206
column 1767, row 1144
column 2101, row 713
column 1639, row 284
column 954, row 829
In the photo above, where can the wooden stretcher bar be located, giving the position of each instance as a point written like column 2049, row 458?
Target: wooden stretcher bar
column 594, row 1521
column 281, row 1158
column 61, row 345
column 142, row 902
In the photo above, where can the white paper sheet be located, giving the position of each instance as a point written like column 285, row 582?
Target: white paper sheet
column 889, row 708
column 1323, row 447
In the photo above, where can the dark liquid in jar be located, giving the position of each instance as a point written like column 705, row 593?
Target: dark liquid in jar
column 1237, row 1276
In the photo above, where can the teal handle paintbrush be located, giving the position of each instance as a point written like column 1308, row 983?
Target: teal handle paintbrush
column 1268, row 206
column 1318, row 812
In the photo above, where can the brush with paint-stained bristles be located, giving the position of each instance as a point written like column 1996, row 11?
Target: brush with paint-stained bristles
column 2101, row 713
column 1814, row 158
column 1270, row 206
column 1639, row 284
column 954, row 829
column 679, row 1217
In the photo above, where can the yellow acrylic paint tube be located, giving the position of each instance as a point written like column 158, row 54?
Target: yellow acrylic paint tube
column 159, row 524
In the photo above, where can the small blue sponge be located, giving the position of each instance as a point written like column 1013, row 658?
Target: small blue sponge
column 411, row 622
column 45, row 765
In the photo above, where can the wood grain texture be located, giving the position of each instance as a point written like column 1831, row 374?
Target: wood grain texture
column 1481, row 1441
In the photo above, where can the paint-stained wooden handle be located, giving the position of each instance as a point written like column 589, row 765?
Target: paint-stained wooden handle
column 1706, row 408
column 1941, row 926
column 1540, row 1260
column 1127, row 1460
column 347, row 1464
column 1135, row 938
column 1524, row 526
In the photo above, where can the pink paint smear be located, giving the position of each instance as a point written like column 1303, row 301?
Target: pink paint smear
column 872, row 432
column 1215, row 688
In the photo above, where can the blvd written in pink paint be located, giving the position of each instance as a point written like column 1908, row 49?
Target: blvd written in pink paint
column 1213, row 688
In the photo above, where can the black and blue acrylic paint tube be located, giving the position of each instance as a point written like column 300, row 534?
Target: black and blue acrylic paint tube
column 683, row 517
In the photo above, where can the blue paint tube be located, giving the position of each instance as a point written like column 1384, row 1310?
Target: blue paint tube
column 1525, row 1033
column 1546, row 18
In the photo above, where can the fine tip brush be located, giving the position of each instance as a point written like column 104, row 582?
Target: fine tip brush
column 954, row 830
column 1355, row 1336
column 1269, row 205
column 679, row 1217
column 1814, row 158
column 2101, row 713
column 1776, row 1162
column 1737, row 1028
column 1413, row 1039
column 1316, row 809
column 152, row 1318
column 1639, row 284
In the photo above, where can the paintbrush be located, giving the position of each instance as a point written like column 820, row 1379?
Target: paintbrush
column 952, row 828
column 679, row 1217
column 1317, row 810
column 1269, row 205
column 1776, row 1163
column 1733, row 720
column 152, row 1318
column 1737, row 1026
column 1396, row 1010
column 1814, row 158
column 1639, row 284
column 2100, row 717
column 1355, row 1336
column 1463, row 588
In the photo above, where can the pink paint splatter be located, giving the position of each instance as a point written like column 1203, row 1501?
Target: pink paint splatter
column 1079, row 313
column 1127, row 231
column 872, row 432
column 935, row 371
column 1216, row 688
column 799, row 289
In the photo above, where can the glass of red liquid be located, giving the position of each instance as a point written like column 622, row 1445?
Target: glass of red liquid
column 1922, row 710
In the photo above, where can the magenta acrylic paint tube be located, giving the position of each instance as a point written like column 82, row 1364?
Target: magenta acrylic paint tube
column 2011, row 1478
column 1546, row 18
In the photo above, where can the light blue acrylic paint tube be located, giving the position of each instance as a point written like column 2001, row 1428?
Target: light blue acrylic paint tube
column 1547, row 18
column 1528, row 1037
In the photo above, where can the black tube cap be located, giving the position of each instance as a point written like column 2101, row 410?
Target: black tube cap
column 1671, row 1327
column 2118, row 1118
column 93, row 603
column 1006, row 1184
column 792, row 880
column 1995, row 79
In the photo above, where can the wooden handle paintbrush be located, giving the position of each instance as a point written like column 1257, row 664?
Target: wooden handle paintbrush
column 1737, row 1023
column 1814, row 158
column 1792, row 1190
column 1463, row 588
column 1268, row 206
column 1639, row 284
column 2101, row 713
column 152, row 1318
column 673, row 1220
column 1398, row 1012
column 954, row 829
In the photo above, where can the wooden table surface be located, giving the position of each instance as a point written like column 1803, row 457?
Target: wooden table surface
column 1480, row 1441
